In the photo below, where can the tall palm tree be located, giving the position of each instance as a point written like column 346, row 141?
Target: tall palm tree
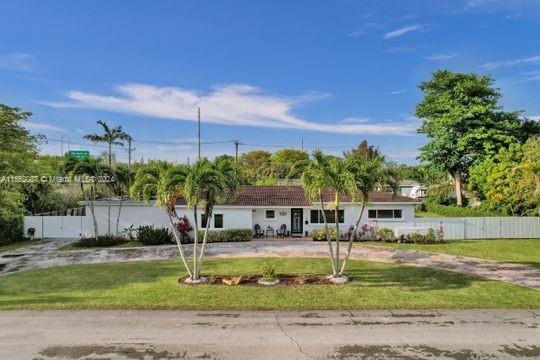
column 110, row 136
column 314, row 179
column 86, row 171
column 368, row 174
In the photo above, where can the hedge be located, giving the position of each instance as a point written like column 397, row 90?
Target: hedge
column 11, row 227
column 228, row 235
column 456, row 211
column 148, row 235
column 101, row 241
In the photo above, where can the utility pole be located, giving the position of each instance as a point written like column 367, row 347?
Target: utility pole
column 236, row 143
column 302, row 144
column 199, row 133
column 130, row 150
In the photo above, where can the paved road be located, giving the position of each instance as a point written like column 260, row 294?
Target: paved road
column 47, row 256
column 396, row 334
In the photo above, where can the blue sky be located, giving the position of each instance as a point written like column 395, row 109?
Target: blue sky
column 330, row 73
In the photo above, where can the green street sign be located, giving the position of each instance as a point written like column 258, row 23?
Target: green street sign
column 79, row 154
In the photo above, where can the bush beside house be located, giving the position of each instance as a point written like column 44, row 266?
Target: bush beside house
column 11, row 226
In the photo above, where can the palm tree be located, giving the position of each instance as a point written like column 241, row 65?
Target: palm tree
column 368, row 173
column 166, row 182
column 342, row 182
column 86, row 171
column 314, row 179
column 123, row 176
column 111, row 136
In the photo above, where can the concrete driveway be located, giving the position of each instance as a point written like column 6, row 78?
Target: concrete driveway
column 47, row 255
column 396, row 334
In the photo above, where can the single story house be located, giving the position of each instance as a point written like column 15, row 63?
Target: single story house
column 269, row 207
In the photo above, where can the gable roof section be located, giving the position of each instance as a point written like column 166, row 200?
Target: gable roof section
column 293, row 195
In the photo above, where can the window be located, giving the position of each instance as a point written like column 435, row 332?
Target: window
column 270, row 214
column 317, row 218
column 218, row 221
column 203, row 220
column 384, row 214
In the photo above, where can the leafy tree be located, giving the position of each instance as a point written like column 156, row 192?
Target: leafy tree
column 364, row 151
column 110, row 136
column 510, row 180
column 282, row 161
column 254, row 165
column 422, row 173
column 464, row 123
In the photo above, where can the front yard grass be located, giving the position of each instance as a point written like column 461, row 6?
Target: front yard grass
column 154, row 285
column 523, row 251
column 17, row 245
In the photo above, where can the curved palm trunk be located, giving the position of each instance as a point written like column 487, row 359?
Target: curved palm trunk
column 179, row 245
column 110, row 196
column 91, row 202
column 195, row 243
column 330, row 248
column 351, row 239
column 336, row 215
column 205, row 237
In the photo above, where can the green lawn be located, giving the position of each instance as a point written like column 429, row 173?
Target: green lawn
column 524, row 251
column 17, row 245
column 153, row 285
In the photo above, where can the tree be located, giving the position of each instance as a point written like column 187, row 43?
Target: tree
column 314, row 173
column 254, row 165
column 364, row 151
column 464, row 123
column 86, row 172
column 368, row 173
column 110, row 136
column 510, row 181
column 282, row 161
column 122, row 177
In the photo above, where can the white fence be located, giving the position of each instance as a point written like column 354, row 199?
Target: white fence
column 484, row 227
column 56, row 226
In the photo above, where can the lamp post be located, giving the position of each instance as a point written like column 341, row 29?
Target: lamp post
column 66, row 135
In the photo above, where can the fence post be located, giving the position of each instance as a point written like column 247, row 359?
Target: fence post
column 464, row 228
column 500, row 227
column 42, row 227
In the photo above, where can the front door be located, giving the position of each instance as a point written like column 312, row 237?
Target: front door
column 297, row 222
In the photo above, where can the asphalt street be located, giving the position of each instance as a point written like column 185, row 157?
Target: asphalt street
column 384, row 334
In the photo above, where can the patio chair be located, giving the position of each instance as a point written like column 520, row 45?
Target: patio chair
column 282, row 231
column 258, row 231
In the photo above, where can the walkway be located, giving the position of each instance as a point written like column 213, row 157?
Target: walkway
column 47, row 255
column 238, row 335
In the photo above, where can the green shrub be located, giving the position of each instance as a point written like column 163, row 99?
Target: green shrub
column 385, row 234
column 102, row 241
column 148, row 235
column 456, row 211
column 11, row 226
column 268, row 272
column 318, row 235
column 227, row 235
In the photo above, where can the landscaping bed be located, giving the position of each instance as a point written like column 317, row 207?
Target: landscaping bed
column 284, row 280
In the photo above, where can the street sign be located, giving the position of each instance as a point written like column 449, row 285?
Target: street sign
column 79, row 154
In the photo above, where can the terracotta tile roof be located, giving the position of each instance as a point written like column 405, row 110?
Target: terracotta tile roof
column 294, row 196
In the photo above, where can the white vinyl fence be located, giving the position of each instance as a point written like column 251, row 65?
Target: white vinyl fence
column 56, row 226
column 484, row 227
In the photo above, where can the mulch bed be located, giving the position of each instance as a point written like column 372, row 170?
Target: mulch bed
column 284, row 280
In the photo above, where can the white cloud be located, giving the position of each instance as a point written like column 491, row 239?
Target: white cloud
column 41, row 127
column 399, row 92
column 516, row 62
column 404, row 30
column 236, row 104
column 365, row 29
column 355, row 120
column 476, row 3
column 528, row 76
column 442, row 56
column 19, row 62
column 534, row 117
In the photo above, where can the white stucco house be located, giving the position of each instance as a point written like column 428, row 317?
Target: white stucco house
column 412, row 188
column 270, row 207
